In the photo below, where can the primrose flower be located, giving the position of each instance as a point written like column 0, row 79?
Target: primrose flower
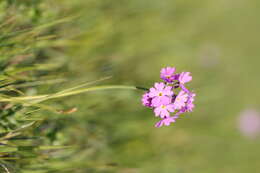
column 167, row 74
column 166, row 121
column 146, row 100
column 159, row 93
column 180, row 100
column 190, row 105
column 171, row 97
column 164, row 109
column 249, row 123
column 184, row 77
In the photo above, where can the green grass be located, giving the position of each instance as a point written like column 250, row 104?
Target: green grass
column 53, row 53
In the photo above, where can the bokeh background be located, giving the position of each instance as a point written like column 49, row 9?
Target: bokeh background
column 131, row 40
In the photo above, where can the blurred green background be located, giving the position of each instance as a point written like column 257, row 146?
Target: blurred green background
column 131, row 40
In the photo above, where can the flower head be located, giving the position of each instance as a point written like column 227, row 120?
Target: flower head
column 164, row 98
column 167, row 74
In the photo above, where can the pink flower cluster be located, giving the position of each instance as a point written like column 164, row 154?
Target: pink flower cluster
column 170, row 96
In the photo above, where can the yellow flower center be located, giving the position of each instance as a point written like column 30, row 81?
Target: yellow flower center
column 160, row 94
column 163, row 106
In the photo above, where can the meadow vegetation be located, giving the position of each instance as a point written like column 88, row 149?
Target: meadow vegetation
column 68, row 71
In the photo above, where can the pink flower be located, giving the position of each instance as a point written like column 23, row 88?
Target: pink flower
column 146, row 100
column 159, row 93
column 189, row 104
column 180, row 100
column 167, row 74
column 164, row 109
column 185, row 77
column 166, row 121
column 249, row 123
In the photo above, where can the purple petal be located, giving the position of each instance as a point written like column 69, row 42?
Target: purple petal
column 157, row 111
column 159, row 124
column 159, row 86
column 185, row 77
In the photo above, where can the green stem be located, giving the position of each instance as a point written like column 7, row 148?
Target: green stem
column 41, row 98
